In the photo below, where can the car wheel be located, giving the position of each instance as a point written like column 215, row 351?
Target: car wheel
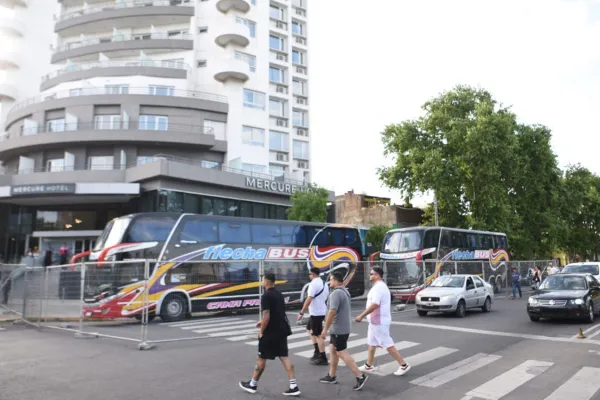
column 422, row 313
column 487, row 306
column 461, row 309
column 591, row 313
column 174, row 308
column 534, row 318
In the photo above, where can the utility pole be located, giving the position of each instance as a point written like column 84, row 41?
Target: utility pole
column 435, row 208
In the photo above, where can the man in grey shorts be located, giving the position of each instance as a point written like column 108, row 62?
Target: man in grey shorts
column 339, row 319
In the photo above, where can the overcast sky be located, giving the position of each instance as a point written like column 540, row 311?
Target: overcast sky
column 375, row 62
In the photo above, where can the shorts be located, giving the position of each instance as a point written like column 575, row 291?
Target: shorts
column 379, row 336
column 339, row 342
column 271, row 348
column 315, row 324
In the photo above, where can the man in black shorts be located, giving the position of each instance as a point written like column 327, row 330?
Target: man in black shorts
column 272, row 338
column 317, row 294
column 339, row 319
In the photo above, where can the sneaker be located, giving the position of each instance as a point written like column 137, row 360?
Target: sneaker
column 360, row 382
column 320, row 361
column 402, row 370
column 247, row 387
column 292, row 392
column 315, row 357
column 366, row 368
column 329, row 379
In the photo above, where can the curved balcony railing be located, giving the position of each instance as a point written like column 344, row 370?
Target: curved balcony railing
column 116, row 64
column 121, row 38
column 95, row 91
column 136, row 125
column 126, row 4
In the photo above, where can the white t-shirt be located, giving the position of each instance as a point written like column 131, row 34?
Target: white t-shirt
column 317, row 306
column 380, row 294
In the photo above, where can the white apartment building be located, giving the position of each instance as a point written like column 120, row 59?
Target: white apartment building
column 151, row 105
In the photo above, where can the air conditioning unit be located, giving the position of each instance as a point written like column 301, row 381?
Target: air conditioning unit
column 281, row 57
column 302, row 132
column 281, row 89
column 302, row 164
column 300, row 70
column 280, row 25
column 281, row 122
column 300, row 40
column 301, row 100
column 281, row 157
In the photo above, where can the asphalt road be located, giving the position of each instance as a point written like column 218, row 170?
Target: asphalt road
column 500, row 355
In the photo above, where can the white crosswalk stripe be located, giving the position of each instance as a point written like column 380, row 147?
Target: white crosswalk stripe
column 455, row 371
column 417, row 359
column 582, row 386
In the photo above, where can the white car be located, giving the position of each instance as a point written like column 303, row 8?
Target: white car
column 455, row 294
column 589, row 267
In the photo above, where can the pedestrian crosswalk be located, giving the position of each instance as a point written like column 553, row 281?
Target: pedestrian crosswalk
column 509, row 374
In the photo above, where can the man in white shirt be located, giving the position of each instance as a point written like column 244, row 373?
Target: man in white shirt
column 379, row 315
column 315, row 302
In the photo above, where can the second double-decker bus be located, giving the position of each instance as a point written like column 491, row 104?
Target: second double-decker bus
column 416, row 256
column 211, row 263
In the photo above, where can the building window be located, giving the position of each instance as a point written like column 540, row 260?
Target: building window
column 254, row 99
column 253, row 168
column 279, row 141
column 276, row 107
column 276, row 12
column 299, row 118
column 251, row 60
column 277, row 170
column 297, row 57
column 251, row 25
column 297, row 28
column 253, row 136
column 55, row 165
column 107, row 122
column 161, row 90
column 55, row 125
column 219, row 129
column 301, row 149
column 299, row 87
column 101, row 163
column 276, row 75
column 210, row 164
column 141, row 160
column 276, row 43
column 153, row 123
column 117, row 89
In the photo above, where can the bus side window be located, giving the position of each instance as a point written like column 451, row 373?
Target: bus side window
column 322, row 239
column 446, row 239
column 472, row 241
column 500, row 242
column 336, row 237
column 292, row 235
column 266, row 233
column 432, row 238
column 198, row 231
column 234, row 232
column 351, row 237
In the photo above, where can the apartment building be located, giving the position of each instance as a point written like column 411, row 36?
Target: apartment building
column 121, row 106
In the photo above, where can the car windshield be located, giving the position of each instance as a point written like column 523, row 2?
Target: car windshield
column 558, row 282
column 449, row 281
column 581, row 269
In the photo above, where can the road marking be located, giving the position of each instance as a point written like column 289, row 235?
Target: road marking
column 198, row 321
column 415, row 360
column 510, row 380
column 587, row 331
column 456, row 370
column 593, row 335
column 496, row 333
column 220, row 328
column 225, row 325
column 245, row 334
column 363, row 355
column 582, row 386
column 353, row 343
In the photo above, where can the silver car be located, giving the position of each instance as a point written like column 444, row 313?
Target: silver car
column 590, row 267
column 455, row 294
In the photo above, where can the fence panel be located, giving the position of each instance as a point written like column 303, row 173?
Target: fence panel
column 12, row 288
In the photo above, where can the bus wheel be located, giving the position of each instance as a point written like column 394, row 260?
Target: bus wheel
column 174, row 308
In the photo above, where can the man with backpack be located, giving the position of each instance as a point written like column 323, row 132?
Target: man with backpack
column 315, row 301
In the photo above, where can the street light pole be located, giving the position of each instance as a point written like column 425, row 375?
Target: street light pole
column 435, row 208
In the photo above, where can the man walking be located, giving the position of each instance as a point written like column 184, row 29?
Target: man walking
column 379, row 315
column 516, row 283
column 339, row 319
column 315, row 302
column 272, row 338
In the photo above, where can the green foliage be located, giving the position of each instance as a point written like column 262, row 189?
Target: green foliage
column 310, row 205
column 375, row 236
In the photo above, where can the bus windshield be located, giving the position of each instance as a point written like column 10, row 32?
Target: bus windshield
column 112, row 234
column 401, row 241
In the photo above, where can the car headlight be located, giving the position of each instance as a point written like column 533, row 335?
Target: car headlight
column 533, row 301
column 577, row 301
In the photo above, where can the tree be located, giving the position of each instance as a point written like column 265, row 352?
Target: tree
column 309, row 205
column 375, row 236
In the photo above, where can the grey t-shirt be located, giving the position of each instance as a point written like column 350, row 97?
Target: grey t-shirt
column 339, row 300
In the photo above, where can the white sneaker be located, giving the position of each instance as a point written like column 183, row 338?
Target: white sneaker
column 365, row 368
column 402, row 370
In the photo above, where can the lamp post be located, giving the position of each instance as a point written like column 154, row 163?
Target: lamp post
column 435, row 208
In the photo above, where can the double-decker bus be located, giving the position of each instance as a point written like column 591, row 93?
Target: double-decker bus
column 416, row 256
column 211, row 263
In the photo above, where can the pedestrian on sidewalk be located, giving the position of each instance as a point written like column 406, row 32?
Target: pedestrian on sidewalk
column 338, row 322
column 516, row 283
column 379, row 314
column 318, row 291
column 272, row 338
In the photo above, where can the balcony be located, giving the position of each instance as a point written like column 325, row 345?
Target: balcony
column 128, row 14
column 278, row 26
column 9, row 59
column 232, row 32
column 12, row 26
column 124, row 133
column 232, row 68
column 8, row 91
column 227, row 5
column 76, row 72
column 123, row 46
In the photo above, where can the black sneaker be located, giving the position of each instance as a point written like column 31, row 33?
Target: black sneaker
column 247, row 387
column 292, row 392
column 320, row 361
column 360, row 382
column 329, row 379
column 315, row 357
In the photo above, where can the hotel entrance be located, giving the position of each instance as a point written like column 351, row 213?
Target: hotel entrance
column 61, row 242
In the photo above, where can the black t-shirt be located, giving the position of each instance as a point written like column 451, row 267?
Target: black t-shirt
column 273, row 301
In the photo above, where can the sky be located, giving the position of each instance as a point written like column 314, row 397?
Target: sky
column 374, row 63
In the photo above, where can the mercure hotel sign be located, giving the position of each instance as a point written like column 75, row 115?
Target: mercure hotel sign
column 273, row 186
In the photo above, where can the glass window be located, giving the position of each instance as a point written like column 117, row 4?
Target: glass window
column 276, row 75
column 281, row 214
column 396, row 242
column 232, row 208
column 191, row 203
column 220, row 207
column 153, row 123
column 297, row 28
column 276, row 43
column 251, row 60
column 276, row 170
column 210, row 164
column 117, row 89
column 352, row 238
column 432, row 237
column 234, row 232
column 55, row 165
column 254, row 99
column 318, row 237
column 101, row 163
column 336, row 236
column 217, row 128
column 66, row 220
column 275, row 12
column 252, row 28
column 253, row 136
column 253, row 168
column 149, row 229
column 258, row 210
column 582, row 269
column 478, row 282
column 300, row 149
column 107, row 122
column 297, row 57
column 161, row 90
column 299, row 118
column 55, row 125
column 207, row 206
column 266, row 233
column 470, row 284
column 500, row 242
column 298, row 87
column 279, row 141
column 276, row 107
column 198, row 231
column 245, row 209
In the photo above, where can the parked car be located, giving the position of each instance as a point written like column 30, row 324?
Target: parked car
column 455, row 294
column 566, row 296
column 583, row 268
